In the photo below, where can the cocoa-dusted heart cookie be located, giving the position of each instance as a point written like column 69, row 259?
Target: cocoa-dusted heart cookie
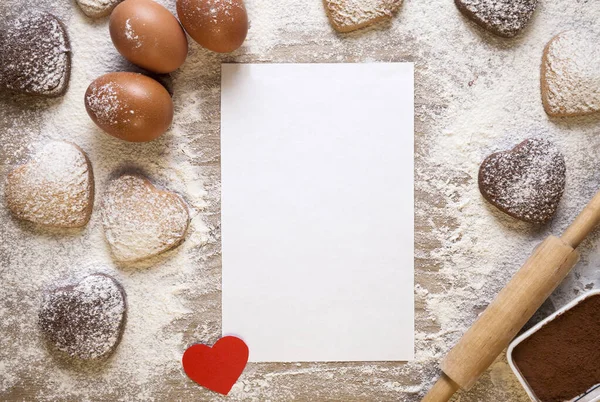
column 55, row 188
column 35, row 56
column 140, row 220
column 526, row 182
column 350, row 15
column 571, row 75
column 504, row 18
column 97, row 8
column 85, row 320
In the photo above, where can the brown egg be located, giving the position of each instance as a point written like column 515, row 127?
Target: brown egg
column 218, row 25
column 148, row 35
column 129, row 106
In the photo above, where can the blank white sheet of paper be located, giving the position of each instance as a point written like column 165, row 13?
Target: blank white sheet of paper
column 317, row 210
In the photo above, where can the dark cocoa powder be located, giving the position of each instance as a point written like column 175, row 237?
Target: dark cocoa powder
column 562, row 359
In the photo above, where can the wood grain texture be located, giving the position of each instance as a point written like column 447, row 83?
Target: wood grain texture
column 452, row 60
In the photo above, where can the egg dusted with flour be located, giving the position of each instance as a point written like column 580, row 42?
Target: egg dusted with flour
column 148, row 35
column 217, row 25
column 129, row 106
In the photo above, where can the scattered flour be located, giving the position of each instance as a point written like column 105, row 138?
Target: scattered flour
column 104, row 103
column 475, row 94
column 131, row 35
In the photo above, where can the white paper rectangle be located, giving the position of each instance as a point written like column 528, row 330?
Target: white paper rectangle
column 317, row 210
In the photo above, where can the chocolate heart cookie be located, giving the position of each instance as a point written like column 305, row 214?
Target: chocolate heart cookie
column 571, row 75
column 35, row 56
column 84, row 320
column 350, row 15
column 526, row 182
column 504, row 18
column 140, row 220
column 55, row 188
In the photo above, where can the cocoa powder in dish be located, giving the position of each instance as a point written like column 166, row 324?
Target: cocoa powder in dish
column 562, row 359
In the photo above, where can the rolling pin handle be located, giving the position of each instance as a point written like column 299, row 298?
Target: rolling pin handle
column 585, row 222
column 442, row 390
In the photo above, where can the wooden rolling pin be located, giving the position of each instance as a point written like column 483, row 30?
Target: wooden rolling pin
column 549, row 264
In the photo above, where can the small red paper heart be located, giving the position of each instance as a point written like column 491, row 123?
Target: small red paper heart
column 219, row 367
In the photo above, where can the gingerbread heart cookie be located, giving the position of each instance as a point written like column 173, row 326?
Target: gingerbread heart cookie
column 84, row 320
column 140, row 220
column 350, row 15
column 35, row 56
column 571, row 75
column 526, row 182
column 504, row 18
column 56, row 187
column 97, row 8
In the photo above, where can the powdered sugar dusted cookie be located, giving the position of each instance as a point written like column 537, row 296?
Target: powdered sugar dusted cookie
column 35, row 56
column 350, row 15
column 502, row 17
column 55, row 188
column 97, row 8
column 526, row 182
column 84, row 320
column 571, row 75
column 140, row 220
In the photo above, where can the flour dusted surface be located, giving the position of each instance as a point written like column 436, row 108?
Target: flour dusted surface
column 474, row 94
column 571, row 74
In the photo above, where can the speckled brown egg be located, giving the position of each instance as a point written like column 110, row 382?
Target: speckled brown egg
column 148, row 35
column 129, row 106
column 218, row 25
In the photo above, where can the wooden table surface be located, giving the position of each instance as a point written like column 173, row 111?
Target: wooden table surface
column 457, row 66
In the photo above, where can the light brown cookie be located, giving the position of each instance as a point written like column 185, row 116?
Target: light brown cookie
column 84, row 320
column 504, row 18
column 35, row 56
column 350, row 15
column 140, row 220
column 55, row 188
column 570, row 78
column 97, row 8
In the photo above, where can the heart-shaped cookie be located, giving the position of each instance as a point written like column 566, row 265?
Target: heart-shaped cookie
column 84, row 320
column 35, row 56
column 97, row 8
column 55, row 188
column 140, row 220
column 571, row 75
column 350, row 15
column 219, row 367
column 526, row 182
column 504, row 18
